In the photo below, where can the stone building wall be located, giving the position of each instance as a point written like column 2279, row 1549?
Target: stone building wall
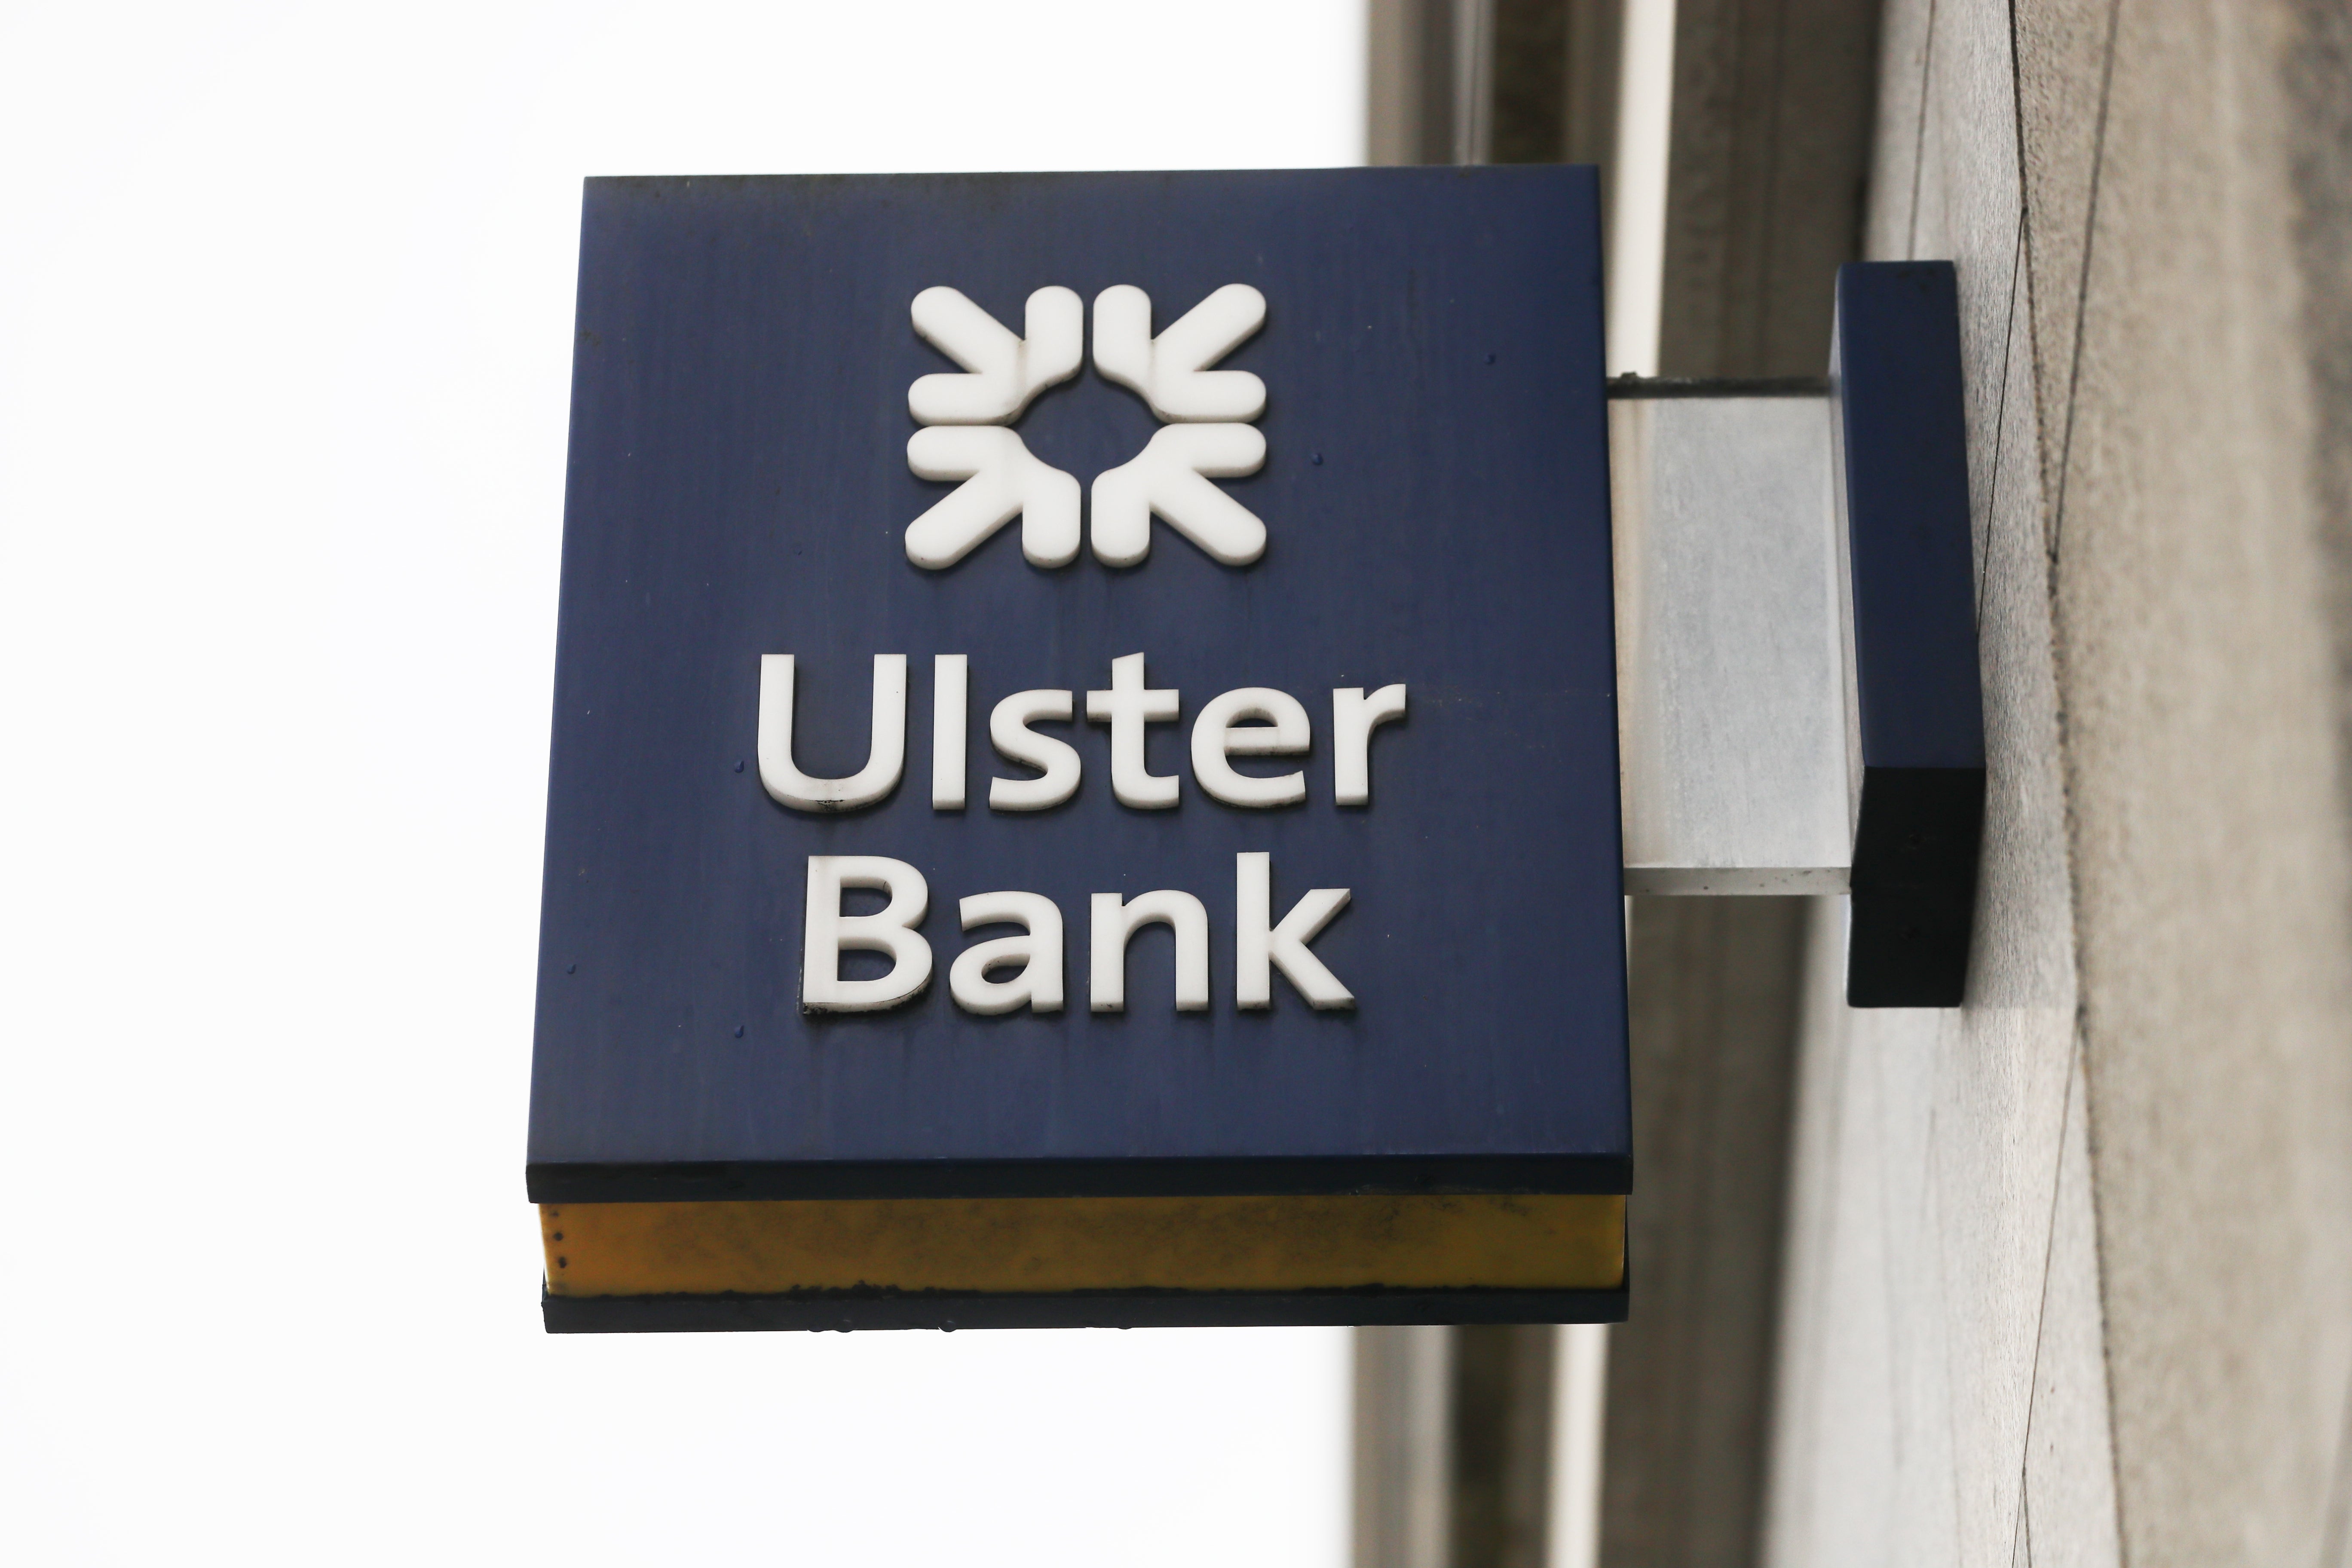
column 2069, row 1275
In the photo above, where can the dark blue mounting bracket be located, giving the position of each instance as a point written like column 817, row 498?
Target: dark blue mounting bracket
column 1915, row 711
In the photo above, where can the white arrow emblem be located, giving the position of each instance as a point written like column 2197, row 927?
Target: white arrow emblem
column 1001, row 479
column 1171, row 370
column 1006, row 371
column 1207, row 436
column 1170, row 477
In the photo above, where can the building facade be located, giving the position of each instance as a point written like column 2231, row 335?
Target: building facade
column 2064, row 1275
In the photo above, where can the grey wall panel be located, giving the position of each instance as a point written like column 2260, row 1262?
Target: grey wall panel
column 1772, row 115
column 1714, row 983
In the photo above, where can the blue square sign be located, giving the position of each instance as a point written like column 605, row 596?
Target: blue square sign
column 1085, row 765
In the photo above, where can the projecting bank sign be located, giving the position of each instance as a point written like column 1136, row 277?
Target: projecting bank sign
column 1085, row 776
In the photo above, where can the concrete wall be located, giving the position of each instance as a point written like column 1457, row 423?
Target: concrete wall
column 2070, row 1270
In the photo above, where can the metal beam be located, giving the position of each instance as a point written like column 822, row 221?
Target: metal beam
column 1731, row 688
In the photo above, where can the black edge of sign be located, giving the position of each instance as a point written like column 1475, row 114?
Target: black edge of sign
column 719, row 1180
column 842, row 1311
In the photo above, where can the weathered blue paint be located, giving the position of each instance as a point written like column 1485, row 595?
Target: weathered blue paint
column 1436, row 496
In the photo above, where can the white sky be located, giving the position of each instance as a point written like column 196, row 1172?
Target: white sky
column 285, row 321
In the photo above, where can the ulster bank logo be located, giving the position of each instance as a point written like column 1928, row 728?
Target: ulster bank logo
column 967, row 432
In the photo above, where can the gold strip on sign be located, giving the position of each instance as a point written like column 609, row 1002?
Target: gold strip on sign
column 1355, row 1241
